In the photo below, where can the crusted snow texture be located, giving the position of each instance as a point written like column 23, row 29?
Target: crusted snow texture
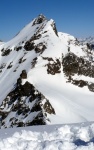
column 55, row 137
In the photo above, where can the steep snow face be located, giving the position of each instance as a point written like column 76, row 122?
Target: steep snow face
column 46, row 77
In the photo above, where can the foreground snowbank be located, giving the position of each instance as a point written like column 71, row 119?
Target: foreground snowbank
column 60, row 137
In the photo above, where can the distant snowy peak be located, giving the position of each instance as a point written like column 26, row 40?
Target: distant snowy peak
column 88, row 41
column 1, row 42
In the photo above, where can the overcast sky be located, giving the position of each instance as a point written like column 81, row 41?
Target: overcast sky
column 75, row 17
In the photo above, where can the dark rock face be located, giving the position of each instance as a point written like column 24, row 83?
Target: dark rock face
column 92, row 46
column 80, row 83
column 18, row 48
column 53, row 68
column 27, row 89
column 34, row 62
column 54, row 28
column 38, row 120
column 5, row 52
column 35, row 37
column 23, row 74
column 23, row 101
column 40, row 48
column 88, row 46
column 70, row 64
column 29, row 46
column 75, row 65
column 48, row 108
column 91, row 87
column 39, row 20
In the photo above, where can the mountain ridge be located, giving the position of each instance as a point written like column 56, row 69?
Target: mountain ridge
column 43, row 73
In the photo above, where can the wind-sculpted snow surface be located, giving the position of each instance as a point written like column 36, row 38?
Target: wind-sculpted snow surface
column 64, row 137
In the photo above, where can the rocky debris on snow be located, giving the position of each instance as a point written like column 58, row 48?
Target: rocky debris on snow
column 21, row 60
column 29, row 46
column 5, row 52
column 10, row 65
column 3, row 65
column 91, row 87
column 39, row 48
column 33, row 63
column 18, row 48
column 15, row 69
column 36, row 36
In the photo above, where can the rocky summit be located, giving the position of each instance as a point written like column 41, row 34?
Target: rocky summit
column 46, row 77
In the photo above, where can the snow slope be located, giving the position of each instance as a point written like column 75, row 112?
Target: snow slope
column 58, row 69
column 57, row 137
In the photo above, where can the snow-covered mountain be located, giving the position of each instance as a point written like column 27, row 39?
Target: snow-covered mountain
column 89, row 41
column 1, row 42
column 46, row 77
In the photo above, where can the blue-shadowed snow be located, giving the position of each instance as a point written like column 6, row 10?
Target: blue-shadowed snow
column 57, row 137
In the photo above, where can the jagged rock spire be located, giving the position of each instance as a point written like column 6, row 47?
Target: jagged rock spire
column 39, row 19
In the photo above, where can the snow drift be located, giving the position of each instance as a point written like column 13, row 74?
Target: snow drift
column 60, row 137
